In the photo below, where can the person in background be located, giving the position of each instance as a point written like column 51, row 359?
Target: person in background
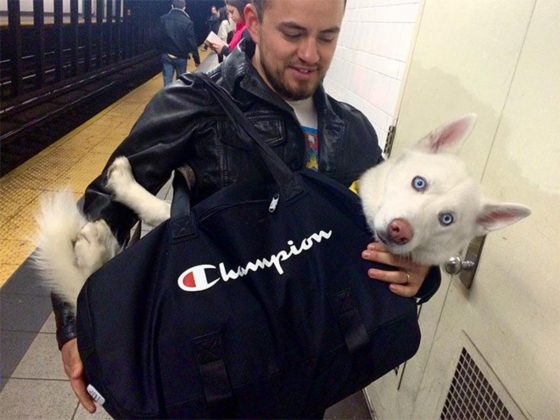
column 227, row 25
column 235, row 9
column 175, row 41
column 214, row 20
column 277, row 75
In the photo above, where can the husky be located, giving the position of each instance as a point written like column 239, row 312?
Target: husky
column 422, row 205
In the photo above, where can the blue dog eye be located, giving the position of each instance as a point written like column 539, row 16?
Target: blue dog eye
column 446, row 219
column 419, row 184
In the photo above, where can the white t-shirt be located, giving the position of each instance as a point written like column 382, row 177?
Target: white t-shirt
column 307, row 116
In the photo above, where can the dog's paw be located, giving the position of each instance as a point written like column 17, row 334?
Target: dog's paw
column 120, row 177
column 94, row 246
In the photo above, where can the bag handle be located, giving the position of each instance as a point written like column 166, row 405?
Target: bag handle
column 281, row 173
column 182, row 226
column 181, row 202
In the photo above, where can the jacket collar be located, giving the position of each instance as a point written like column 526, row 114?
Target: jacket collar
column 330, row 124
column 238, row 72
column 178, row 10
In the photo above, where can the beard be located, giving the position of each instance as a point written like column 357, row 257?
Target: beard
column 286, row 91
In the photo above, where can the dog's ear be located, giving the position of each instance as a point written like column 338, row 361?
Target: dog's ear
column 494, row 216
column 449, row 137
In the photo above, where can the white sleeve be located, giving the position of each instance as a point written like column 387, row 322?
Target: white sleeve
column 223, row 30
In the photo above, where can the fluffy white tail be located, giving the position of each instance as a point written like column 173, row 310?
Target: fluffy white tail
column 60, row 222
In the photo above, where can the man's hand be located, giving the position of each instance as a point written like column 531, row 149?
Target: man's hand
column 75, row 371
column 404, row 282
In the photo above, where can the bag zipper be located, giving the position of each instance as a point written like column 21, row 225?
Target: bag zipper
column 274, row 203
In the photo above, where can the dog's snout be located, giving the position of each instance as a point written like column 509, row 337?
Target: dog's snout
column 400, row 231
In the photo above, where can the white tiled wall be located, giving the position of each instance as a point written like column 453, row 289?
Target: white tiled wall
column 369, row 65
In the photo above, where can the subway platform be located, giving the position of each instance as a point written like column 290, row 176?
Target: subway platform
column 33, row 383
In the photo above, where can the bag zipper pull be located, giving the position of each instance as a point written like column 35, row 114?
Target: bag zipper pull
column 274, row 203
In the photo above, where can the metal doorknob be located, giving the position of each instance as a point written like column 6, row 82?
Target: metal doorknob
column 455, row 265
column 466, row 267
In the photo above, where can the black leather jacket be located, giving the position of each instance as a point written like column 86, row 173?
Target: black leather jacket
column 175, row 34
column 183, row 125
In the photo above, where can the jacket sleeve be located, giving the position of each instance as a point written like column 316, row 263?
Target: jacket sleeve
column 65, row 320
column 225, row 51
column 196, row 57
column 191, row 39
column 157, row 144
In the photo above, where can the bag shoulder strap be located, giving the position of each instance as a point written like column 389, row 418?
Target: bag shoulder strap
column 281, row 173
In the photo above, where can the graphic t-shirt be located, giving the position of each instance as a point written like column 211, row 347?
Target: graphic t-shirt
column 307, row 117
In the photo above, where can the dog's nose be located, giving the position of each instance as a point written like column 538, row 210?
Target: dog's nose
column 400, row 231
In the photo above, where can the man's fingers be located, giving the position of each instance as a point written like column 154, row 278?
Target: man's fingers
column 379, row 253
column 403, row 290
column 79, row 388
column 74, row 369
column 398, row 277
column 377, row 246
column 399, row 282
column 406, row 277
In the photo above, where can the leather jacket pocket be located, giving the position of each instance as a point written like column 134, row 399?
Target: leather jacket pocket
column 272, row 129
column 241, row 162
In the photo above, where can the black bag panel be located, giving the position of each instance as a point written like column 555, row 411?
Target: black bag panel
column 337, row 196
column 265, row 399
column 275, row 328
column 122, row 303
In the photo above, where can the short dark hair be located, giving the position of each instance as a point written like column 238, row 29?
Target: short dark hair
column 260, row 5
column 178, row 4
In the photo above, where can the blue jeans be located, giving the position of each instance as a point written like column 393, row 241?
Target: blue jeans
column 170, row 66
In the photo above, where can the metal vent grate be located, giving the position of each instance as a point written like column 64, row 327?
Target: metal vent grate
column 471, row 396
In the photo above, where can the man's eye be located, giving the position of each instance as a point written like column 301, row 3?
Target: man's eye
column 327, row 39
column 292, row 35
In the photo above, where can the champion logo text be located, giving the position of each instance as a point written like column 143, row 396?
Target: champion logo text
column 196, row 279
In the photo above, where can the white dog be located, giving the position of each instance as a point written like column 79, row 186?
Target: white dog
column 422, row 205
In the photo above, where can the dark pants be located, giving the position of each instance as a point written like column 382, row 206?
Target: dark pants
column 172, row 66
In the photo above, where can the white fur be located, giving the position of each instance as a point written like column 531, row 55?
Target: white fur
column 69, row 248
column 127, row 191
column 387, row 195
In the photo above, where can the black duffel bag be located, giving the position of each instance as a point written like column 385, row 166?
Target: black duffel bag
column 253, row 303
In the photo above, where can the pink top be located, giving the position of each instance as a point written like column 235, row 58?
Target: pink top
column 239, row 28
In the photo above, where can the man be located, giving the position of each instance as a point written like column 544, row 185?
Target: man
column 175, row 41
column 277, row 78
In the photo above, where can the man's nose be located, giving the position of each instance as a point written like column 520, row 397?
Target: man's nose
column 308, row 51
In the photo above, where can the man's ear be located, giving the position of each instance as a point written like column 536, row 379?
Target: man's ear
column 252, row 21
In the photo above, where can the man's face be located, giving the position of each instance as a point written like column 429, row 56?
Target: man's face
column 296, row 41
